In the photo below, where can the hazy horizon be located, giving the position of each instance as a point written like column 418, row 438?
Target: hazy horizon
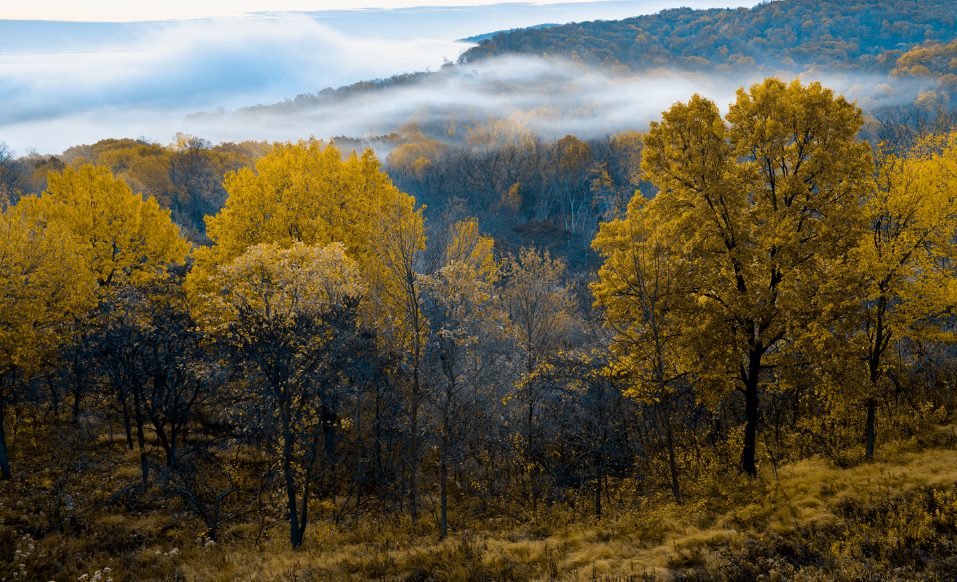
column 90, row 81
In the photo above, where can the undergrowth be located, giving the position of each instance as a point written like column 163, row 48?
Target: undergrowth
column 816, row 519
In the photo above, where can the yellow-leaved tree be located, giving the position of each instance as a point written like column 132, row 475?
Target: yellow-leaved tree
column 44, row 283
column 125, row 238
column 289, row 318
column 541, row 311
column 904, row 258
column 757, row 206
column 641, row 287
column 304, row 192
column 466, row 328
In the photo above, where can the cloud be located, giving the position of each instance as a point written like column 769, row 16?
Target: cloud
column 172, row 69
column 550, row 97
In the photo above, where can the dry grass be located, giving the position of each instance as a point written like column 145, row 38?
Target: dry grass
column 657, row 539
column 651, row 541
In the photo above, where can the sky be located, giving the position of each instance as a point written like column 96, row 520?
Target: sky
column 127, row 70
column 126, row 11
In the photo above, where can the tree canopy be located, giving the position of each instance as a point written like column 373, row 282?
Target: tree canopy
column 758, row 206
column 127, row 238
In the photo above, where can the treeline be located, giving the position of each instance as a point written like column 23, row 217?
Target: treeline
column 333, row 355
column 185, row 176
column 786, row 35
column 525, row 191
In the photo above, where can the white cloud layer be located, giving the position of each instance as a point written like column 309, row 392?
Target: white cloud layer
column 53, row 100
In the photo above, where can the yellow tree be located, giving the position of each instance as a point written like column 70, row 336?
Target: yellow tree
column 540, row 310
column 303, row 192
column 465, row 329
column 759, row 206
column 904, row 256
column 126, row 238
column 288, row 316
column 641, row 287
column 396, row 288
column 44, row 283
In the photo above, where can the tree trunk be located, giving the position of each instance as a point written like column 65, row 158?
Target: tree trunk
column 532, row 485
column 598, row 480
column 140, row 437
column 77, row 396
column 529, row 427
column 328, row 420
column 377, row 445
column 751, row 408
column 672, row 461
column 295, row 529
column 126, row 421
column 443, row 487
column 881, row 341
column 414, row 450
column 4, row 462
column 167, row 444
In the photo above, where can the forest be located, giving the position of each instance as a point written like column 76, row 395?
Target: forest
column 794, row 35
column 716, row 350
column 719, row 348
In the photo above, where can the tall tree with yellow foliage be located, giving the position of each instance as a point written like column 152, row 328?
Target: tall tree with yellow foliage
column 905, row 258
column 304, row 192
column 757, row 206
column 44, row 283
column 466, row 329
column 289, row 317
column 641, row 287
column 541, row 312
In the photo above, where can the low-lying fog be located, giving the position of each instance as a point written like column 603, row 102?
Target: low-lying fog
column 143, row 79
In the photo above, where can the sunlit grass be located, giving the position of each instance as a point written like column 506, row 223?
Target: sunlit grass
column 723, row 517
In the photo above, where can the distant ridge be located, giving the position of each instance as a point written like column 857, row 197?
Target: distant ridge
column 787, row 36
column 480, row 37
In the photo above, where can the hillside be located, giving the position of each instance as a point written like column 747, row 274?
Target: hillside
column 788, row 35
column 595, row 78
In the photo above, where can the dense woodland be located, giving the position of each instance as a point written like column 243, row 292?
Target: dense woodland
column 719, row 349
column 678, row 316
column 789, row 35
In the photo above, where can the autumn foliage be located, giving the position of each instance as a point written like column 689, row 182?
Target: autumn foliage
column 770, row 298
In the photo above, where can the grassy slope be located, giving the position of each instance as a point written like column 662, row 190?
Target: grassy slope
column 812, row 521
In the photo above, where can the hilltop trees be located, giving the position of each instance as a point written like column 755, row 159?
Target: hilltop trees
column 185, row 176
column 785, row 35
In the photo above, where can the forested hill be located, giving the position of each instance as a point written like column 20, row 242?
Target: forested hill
column 791, row 35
